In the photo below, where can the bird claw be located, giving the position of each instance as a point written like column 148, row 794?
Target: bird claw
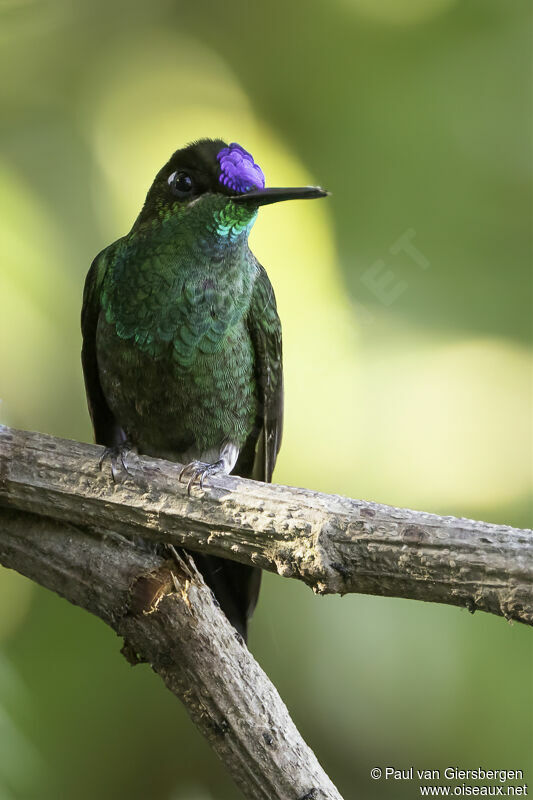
column 198, row 471
column 117, row 453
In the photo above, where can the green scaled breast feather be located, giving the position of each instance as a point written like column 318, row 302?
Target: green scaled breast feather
column 150, row 300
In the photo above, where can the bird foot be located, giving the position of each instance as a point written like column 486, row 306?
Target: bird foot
column 197, row 471
column 116, row 455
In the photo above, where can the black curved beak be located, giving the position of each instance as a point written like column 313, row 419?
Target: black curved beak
column 263, row 197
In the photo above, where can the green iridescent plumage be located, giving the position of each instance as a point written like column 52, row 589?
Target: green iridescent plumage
column 182, row 341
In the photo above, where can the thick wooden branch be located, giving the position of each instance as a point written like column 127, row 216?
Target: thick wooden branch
column 64, row 522
column 169, row 619
column 332, row 543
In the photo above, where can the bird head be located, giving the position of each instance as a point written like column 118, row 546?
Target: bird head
column 217, row 185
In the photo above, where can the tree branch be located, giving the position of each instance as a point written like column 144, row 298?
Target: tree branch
column 168, row 618
column 332, row 543
column 64, row 522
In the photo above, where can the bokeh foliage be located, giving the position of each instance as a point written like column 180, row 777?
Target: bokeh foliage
column 411, row 388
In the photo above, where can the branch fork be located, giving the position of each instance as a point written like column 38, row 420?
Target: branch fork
column 68, row 526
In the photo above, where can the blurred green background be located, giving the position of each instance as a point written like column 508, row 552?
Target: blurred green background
column 406, row 305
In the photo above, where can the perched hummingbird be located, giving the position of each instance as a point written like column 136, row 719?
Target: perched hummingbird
column 181, row 338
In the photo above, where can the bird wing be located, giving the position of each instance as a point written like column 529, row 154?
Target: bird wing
column 265, row 331
column 106, row 429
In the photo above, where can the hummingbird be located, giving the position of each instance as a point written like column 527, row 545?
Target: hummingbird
column 181, row 353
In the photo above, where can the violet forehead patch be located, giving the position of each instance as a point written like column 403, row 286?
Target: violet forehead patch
column 238, row 170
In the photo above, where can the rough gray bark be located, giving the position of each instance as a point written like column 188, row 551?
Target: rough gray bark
column 62, row 521
column 332, row 543
column 168, row 618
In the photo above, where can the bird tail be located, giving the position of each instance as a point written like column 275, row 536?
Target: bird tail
column 235, row 586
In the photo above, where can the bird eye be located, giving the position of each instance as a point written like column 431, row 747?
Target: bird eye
column 180, row 184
